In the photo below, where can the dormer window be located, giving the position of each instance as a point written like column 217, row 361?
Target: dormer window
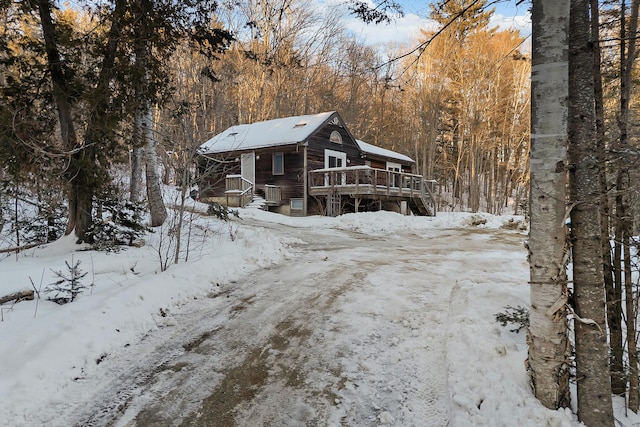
column 299, row 125
column 335, row 137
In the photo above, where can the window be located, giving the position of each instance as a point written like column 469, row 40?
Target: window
column 278, row 163
column 297, row 204
column 334, row 159
column 335, row 162
column 335, row 137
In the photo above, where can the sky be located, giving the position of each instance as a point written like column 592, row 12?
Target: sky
column 508, row 15
column 411, row 339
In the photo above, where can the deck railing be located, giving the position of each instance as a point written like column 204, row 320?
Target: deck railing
column 359, row 181
column 238, row 188
column 273, row 194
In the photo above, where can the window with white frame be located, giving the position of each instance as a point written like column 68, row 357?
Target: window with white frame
column 297, row 204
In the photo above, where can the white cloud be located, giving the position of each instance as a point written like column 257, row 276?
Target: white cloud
column 407, row 28
column 521, row 23
column 400, row 30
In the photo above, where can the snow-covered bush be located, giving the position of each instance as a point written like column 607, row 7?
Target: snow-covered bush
column 220, row 211
column 121, row 224
column 45, row 226
column 31, row 215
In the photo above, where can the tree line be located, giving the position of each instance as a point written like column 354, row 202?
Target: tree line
column 91, row 87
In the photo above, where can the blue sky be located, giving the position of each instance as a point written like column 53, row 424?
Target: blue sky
column 403, row 30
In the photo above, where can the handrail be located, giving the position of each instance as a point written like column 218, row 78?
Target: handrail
column 362, row 180
column 238, row 186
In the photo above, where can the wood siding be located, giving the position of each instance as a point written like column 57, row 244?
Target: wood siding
column 319, row 141
column 213, row 174
column 292, row 181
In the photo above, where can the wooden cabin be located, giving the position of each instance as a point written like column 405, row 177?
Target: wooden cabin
column 308, row 165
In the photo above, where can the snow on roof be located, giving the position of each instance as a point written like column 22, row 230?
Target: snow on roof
column 379, row 151
column 285, row 131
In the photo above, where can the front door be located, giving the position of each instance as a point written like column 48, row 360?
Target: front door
column 396, row 168
column 248, row 167
column 335, row 159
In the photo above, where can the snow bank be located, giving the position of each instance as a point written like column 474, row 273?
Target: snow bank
column 45, row 345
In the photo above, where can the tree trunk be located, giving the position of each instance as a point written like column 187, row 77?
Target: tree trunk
column 624, row 219
column 135, row 186
column 592, row 350
column 78, row 205
column 630, row 303
column 157, row 208
column 613, row 296
column 143, row 120
column 83, row 173
column 547, row 334
column 58, row 78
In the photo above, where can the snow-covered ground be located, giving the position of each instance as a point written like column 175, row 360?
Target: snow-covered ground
column 428, row 350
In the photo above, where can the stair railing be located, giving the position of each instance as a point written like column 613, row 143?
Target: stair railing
column 239, row 187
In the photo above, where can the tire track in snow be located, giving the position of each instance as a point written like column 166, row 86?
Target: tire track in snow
column 326, row 338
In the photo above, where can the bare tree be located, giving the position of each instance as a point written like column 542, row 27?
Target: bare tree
column 624, row 216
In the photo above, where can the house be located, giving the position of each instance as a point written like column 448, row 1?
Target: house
column 308, row 164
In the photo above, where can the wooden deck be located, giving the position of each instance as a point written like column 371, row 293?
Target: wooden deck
column 362, row 182
column 358, row 182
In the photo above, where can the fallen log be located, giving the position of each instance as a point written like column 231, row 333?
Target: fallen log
column 20, row 248
column 17, row 296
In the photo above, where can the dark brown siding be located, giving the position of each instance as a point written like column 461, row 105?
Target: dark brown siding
column 292, row 181
column 213, row 176
column 319, row 141
column 381, row 163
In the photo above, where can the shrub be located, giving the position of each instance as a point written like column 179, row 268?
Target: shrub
column 121, row 224
column 68, row 286
column 221, row 212
column 519, row 316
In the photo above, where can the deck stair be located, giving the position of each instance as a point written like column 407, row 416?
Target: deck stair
column 422, row 205
column 257, row 203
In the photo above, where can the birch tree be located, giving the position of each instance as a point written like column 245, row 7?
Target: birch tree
column 143, row 116
column 547, row 334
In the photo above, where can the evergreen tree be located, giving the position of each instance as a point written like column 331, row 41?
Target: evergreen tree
column 90, row 81
column 461, row 16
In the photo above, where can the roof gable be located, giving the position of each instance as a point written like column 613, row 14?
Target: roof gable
column 284, row 131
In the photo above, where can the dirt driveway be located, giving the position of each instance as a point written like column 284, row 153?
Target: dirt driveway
column 350, row 330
